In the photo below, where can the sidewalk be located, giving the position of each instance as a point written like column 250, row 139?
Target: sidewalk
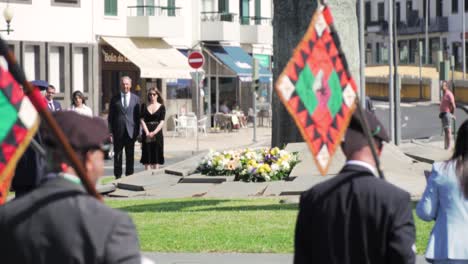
column 228, row 258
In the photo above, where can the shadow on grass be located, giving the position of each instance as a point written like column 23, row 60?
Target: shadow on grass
column 213, row 205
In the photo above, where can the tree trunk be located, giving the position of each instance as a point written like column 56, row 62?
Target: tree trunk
column 291, row 20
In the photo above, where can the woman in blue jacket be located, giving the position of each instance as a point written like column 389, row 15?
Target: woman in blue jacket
column 445, row 200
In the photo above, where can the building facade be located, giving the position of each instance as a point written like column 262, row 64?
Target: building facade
column 444, row 30
column 89, row 45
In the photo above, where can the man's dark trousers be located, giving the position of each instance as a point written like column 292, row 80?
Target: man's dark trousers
column 129, row 145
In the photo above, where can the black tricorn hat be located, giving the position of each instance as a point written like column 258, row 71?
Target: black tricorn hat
column 82, row 132
column 355, row 138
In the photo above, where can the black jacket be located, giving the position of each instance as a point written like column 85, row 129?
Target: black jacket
column 355, row 218
column 121, row 120
column 59, row 223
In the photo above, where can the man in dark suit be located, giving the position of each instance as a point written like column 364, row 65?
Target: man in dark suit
column 58, row 222
column 51, row 103
column 124, row 125
column 356, row 217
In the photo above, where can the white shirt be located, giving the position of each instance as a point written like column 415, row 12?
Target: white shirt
column 363, row 164
column 51, row 105
column 84, row 110
column 125, row 97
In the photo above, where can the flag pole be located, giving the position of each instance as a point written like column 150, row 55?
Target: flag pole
column 33, row 95
column 368, row 135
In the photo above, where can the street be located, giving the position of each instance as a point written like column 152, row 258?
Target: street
column 418, row 120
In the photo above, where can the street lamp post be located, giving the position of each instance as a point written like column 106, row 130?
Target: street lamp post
column 426, row 45
column 8, row 15
column 362, row 61
column 391, row 98
column 463, row 39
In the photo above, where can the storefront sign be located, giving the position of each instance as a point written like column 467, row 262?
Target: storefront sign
column 263, row 60
column 110, row 56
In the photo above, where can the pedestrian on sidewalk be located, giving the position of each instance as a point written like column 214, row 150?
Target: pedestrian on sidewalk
column 355, row 217
column 447, row 110
column 445, row 200
column 124, row 125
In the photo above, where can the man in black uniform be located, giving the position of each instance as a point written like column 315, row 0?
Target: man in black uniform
column 58, row 222
column 356, row 217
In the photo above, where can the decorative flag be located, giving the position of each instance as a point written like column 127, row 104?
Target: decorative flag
column 19, row 121
column 317, row 89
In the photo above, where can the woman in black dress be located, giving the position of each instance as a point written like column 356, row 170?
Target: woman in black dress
column 152, row 122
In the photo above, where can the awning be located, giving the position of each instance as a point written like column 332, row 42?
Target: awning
column 239, row 61
column 155, row 57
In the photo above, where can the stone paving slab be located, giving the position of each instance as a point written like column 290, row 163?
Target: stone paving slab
column 425, row 152
column 126, row 193
column 199, row 178
column 105, row 188
column 182, row 190
column 146, row 180
column 238, row 190
column 186, row 167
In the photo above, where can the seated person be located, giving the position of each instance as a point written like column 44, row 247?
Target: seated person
column 224, row 108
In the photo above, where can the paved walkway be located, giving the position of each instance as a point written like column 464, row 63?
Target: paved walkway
column 228, row 258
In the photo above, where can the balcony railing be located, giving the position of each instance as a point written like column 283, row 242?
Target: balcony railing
column 415, row 26
column 255, row 21
column 152, row 10
column 219, row 16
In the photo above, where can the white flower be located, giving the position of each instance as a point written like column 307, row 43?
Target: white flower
column 275, row 167
column 285, row 165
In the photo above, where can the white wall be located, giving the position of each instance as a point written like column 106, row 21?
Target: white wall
column 41, row 21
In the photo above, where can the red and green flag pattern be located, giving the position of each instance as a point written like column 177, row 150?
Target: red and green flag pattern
column 318, row 90
column 18, row 123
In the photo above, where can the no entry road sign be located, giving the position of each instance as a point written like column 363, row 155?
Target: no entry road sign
column 196, row 59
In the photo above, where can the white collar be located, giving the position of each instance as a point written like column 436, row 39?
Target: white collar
column 363, row 164
column 71, row 177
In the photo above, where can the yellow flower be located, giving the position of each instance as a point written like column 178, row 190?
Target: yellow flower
column 274, row 151
column 252, row 162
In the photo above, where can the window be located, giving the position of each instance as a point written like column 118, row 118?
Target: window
column 367, row 12
column 110, row 7
column 398, row 12
column 454, row 6
column 17, row 1
column 244, row 12
column 66, row 2
column 171, row 8
column 223, row 6
column 413, row 50
column 56, row 67
column 179, row 89
column 439, row 8
column 31, row 62
column 381, row 12
column 377, row 52
column 80, row 69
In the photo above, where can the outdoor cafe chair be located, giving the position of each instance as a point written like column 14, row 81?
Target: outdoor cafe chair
column 180, row 125
column 202, row 125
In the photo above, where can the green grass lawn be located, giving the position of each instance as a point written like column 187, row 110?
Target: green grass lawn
column 221, row 225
